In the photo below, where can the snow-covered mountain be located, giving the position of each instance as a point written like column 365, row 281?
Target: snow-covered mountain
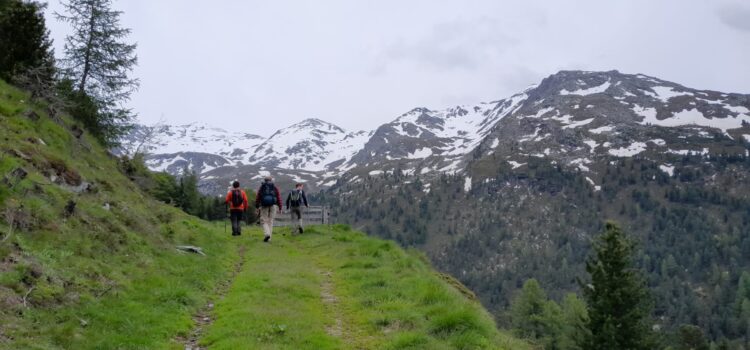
column 311, row 145
column 542, row 171
column 197, row 146
column 572, row 118
column 581, row 119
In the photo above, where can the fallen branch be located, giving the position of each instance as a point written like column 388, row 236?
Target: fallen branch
column 10, row 217
column 191, row 249
column 25, row 297
column 105, row 291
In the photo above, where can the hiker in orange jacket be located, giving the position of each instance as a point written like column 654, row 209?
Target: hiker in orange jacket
column 237, row 200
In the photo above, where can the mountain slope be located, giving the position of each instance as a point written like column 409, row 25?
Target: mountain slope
column 668, row 162
column 88, row 261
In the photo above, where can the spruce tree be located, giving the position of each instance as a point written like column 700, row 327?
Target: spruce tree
column 617, row 300
column 24, row 41
column 98, row 63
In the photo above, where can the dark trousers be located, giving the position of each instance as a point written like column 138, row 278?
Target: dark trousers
column 236, row 217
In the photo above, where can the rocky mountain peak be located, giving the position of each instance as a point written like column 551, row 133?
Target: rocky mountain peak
column 315, row 124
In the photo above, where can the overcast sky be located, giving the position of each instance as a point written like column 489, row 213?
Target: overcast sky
column 258, row 66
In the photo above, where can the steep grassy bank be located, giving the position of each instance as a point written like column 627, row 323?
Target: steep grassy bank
column 86, row 259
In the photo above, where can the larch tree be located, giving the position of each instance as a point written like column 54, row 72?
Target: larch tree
column 98, row 65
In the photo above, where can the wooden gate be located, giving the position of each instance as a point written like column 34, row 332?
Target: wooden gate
column 314, row 215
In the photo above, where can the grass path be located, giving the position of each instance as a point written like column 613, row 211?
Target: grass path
column 203, row 318
column 275, row 301
column 338, row 289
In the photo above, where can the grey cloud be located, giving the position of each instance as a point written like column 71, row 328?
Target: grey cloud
column 261, row 65
column 458, row 44
column 735, row 16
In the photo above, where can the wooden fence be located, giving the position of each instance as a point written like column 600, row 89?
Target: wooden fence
column 314, row 215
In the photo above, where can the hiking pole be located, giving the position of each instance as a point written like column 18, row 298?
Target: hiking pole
column 226, row 210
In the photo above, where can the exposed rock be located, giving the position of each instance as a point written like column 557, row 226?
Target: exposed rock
column 15, row 176
column 31, row 114
column 70, row 208
column 77, row 131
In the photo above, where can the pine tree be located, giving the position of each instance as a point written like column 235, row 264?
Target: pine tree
column 617, row 300
column 24, row 41
column 98, row 64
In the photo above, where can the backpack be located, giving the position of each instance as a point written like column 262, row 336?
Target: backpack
column 267, row 194
column 295, row 198
column 237, row 200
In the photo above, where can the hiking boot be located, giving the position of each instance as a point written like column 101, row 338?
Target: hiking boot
column 301, row 230
column 266, row 239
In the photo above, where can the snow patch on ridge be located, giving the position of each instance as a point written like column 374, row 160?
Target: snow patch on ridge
column 635, row 148
column 592, row 90
column 694, row 117
column 602, row 129
column 664, row 93
column 467, row 184
column 669, row 169
column 420, row 153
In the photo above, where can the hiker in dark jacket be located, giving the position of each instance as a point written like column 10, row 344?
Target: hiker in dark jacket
column 237, row 200
column 268, row 202
column 294, row 202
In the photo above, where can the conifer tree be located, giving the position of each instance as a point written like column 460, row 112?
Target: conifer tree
column 24, row 40
column 691, row 338
column 573, row 325
column 617, row 300
column 527, row 311
column 98, row 64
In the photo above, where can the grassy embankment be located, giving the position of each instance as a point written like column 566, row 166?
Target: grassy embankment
column 90, row 266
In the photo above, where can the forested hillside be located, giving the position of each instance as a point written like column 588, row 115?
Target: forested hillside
column 537, row 222
column 542, row 183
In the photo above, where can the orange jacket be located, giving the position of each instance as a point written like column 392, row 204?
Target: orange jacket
column 242, row 206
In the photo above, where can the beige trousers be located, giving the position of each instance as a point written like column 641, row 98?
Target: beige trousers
column 267, row 215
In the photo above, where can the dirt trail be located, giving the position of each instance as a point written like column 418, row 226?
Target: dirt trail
column 331, row 302
column 202, row 318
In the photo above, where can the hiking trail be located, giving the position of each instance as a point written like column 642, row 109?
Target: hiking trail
column 203, row 318
column 336, row 289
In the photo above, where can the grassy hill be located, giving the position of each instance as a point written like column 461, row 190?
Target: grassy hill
column 87, row 260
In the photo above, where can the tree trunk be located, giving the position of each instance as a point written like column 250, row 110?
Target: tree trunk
column 89, row 43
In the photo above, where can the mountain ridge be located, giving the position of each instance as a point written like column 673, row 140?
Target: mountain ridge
column 425, row 141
